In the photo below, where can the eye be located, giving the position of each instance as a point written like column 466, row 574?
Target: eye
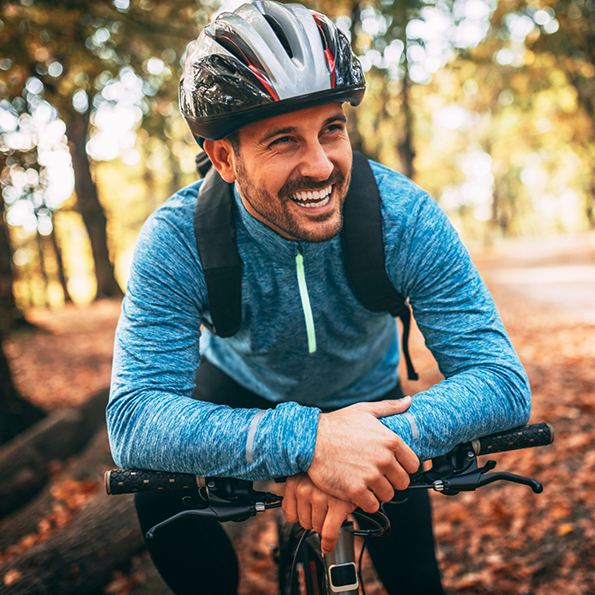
column 335, row 127
column 281, row 141
column 283, row 144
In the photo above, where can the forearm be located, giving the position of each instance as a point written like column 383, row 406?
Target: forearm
column 156, row 430
column 473, row 403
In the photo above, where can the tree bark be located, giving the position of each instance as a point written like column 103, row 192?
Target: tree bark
column 90, row 465
column 16, row 413
column 25, row 461
column 90, row 208
column 357, row 142
column 43, row 268
column 80, row 558
column 405, row 144
column 60, row 265
column 10, row 316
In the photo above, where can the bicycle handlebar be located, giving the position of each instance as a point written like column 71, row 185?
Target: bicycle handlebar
column 126, row 481
column 540, row 434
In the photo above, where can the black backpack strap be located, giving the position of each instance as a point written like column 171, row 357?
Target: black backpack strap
column 214, row 228
column 363, row 252
column 203, row 163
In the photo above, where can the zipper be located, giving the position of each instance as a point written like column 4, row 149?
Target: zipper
column 301, row 275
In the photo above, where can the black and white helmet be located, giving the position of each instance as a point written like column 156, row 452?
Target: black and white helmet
column 263, row 60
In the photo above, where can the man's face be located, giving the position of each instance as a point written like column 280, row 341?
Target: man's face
column 293, row 172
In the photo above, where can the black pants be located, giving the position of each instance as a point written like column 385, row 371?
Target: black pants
column 196, row 557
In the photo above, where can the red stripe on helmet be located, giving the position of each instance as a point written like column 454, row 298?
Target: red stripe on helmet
column 264, row 81
column 330, row 59
column 331, row 64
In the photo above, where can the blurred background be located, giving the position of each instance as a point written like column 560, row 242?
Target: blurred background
column 489, row 105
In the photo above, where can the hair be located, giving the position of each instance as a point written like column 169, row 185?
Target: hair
column 234, row 140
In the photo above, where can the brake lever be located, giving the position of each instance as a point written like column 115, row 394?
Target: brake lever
column 505, row 476
column 451, row 476
column 219, row 509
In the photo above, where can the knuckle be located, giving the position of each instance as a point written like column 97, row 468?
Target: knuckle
column 302, row 491
column 394, row 442
column 386, row 460
column 387, row 494
column 318, row 499
column 402, row 482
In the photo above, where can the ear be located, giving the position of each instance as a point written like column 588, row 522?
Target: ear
column 220, row 153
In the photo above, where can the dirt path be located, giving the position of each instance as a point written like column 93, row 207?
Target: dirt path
column 558, row 272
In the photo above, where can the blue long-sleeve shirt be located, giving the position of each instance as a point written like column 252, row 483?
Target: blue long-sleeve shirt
column 154, row 423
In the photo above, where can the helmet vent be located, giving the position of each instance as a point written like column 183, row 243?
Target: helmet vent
column 278, row 30
column 232, row 48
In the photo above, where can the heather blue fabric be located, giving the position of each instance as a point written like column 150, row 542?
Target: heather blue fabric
column 153, row 421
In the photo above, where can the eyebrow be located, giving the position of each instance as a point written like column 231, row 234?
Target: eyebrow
column 293, row 129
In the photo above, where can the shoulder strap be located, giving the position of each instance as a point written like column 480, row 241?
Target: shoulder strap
column 361, row 240
column 363, row 251
column 214, row 228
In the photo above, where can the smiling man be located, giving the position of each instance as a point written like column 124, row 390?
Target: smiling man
column 243, row 349
column 300, row 199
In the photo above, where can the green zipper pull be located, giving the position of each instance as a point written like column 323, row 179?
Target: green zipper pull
column 301, row 275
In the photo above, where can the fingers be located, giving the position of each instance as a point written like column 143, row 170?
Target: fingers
column 289, row 505
column 304, row 513
column 337, row 513
column 313, row 509
column 388, row 407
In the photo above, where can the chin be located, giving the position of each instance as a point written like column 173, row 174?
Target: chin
column 321, row 232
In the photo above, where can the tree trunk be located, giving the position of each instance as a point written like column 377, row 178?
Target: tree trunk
column 10, row 316
column 25, row 461
column 60, row 264
column 16, row 413
column 357, row 142
column 90, row 465
column 90, row 208
column 43, row 269
column 80, row 558
column 590, row 208
column 405, row 145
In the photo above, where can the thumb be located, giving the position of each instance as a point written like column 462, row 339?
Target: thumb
column 388, row 407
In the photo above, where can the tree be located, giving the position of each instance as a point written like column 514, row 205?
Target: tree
column 16, row 413
column 561, row 34
column 70, row 53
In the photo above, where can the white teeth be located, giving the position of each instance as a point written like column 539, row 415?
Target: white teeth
column 320, row 197
column 319, row 203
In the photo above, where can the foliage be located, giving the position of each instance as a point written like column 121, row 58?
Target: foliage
column 489, row 107
column 67, row 64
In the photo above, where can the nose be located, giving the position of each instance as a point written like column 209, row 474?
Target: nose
column 315, row 163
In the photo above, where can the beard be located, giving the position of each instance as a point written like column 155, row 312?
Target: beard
column 300, row 226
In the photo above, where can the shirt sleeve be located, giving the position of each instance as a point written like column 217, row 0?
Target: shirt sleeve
column 153, row 422
column 485, row 388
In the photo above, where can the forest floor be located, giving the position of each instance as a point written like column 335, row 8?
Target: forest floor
column 501, row 540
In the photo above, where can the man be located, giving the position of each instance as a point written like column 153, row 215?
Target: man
column 262, row 91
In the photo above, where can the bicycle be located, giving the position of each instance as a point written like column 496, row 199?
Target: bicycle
column 303, row 568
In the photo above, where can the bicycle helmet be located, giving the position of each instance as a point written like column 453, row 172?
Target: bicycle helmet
column 263, row 60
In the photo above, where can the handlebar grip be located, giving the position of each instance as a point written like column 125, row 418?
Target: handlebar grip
column 128, row 481
column 540, row 434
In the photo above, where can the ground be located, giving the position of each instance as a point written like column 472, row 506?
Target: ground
column 501, row 540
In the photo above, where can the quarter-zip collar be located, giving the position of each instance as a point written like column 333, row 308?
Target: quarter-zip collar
column 276, row 246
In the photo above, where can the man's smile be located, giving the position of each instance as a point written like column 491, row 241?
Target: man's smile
column 312, row 198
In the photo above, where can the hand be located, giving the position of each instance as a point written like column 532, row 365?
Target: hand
column 357, row 458
column 313, row 509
